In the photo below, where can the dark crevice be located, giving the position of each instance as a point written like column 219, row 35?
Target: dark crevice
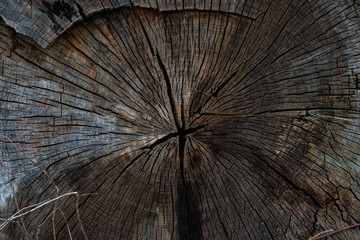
column 182, row 142
column 189, row 216
column 315, row 225
column 293, row 185
column 181, row 133
column 131, row 4
column 60, row 77
column 184, row 218
column 87, row 197
column 268, row 231
column 183, row 122
column 66, row 10
column 147, row 38
column 217, row 91
column 160, row 141
column 289, row 182
column 128, row 166
column 81, row 11
column 56, row 10
column 169, row 92
column 188, row 213
column 190, row 130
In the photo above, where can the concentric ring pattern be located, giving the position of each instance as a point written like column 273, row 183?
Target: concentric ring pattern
column 186, row 124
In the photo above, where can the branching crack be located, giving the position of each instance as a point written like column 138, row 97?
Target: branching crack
column 291, row 183
column 169, row 92
column 217, row 91
column 182, row 134
column 160, row 141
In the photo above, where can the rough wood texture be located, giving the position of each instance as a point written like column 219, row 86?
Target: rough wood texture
column 45, row 20
column 186, row 124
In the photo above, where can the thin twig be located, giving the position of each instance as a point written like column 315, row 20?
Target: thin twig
column 78, row 217
column 320, row 233
column 66, row 223
column 57, row 197
column 23, row 227
column 332, row 232
column 33, row 208
column 53, row 223
column 37, row 165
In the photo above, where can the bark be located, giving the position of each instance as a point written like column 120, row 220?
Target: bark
column 183, row 120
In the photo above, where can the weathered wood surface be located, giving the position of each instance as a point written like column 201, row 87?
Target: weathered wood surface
column 186, row 124
column 45, row 20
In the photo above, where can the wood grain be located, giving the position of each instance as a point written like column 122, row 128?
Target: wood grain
column 196, row 120
column 45, row 20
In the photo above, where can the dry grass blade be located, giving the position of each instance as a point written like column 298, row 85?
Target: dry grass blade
column 33, row 208
column 331, row 232
column 320, row 234
column 78, row 217
column 22, row 224
column 29, row 209
column 32, row 161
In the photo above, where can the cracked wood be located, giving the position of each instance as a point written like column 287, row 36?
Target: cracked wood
column 189, row 120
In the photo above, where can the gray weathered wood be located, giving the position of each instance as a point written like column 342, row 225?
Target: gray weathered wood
column 226, row 120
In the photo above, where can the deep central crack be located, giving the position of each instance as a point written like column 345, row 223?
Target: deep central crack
column 188, row 214
column 182, row 133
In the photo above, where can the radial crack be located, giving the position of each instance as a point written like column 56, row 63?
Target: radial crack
column 169, row 92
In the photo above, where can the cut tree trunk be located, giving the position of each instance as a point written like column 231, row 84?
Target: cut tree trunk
column 179, row 119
